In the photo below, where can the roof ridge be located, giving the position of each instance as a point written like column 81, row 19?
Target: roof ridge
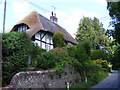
column 38, row 22
column 55, row 24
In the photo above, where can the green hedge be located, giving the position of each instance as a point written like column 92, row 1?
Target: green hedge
column 15, row 50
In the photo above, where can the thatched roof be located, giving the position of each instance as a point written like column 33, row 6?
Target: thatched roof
column 37, row 22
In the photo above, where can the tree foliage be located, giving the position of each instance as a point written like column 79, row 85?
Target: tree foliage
column 58, row 40
column 92, row 29
column 114, row 12
column 116, row 61
column 81, row 51
column 15, row 50
column 98, row 54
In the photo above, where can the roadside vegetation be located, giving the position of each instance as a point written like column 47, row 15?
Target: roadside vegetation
column 15, row 48
column 93, row 56
column 91, row 80
column 19, row 54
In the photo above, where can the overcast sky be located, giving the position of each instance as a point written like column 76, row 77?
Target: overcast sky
column 68, row 12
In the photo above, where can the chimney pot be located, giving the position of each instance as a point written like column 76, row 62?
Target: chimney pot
column 53, row 18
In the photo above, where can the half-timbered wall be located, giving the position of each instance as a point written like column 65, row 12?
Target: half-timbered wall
column 44, row 40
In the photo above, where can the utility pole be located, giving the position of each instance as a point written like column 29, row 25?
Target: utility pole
column 4, row 17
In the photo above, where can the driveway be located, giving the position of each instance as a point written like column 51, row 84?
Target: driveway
column 112, row 81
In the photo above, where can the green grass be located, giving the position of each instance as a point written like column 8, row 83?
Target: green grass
column 83, row 85
column 92, row 80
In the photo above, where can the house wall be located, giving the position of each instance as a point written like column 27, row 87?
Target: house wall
column 44, row 40
column 45, row 79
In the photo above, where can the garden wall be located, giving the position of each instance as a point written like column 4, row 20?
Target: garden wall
column 45, row 79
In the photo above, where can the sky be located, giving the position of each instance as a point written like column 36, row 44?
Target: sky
column 68, row 12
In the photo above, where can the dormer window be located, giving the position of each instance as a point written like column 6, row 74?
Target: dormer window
column 22, row 28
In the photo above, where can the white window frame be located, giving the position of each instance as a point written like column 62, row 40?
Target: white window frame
column 44, row 40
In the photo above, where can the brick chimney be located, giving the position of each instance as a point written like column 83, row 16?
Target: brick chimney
column 53, row 18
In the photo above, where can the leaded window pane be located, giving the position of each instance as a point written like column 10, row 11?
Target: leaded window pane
column 22, row 29
column 37, row 36
column 37, row 42
column 43, row 45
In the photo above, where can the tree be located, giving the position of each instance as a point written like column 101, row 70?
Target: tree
column 92, row 29
column 114, row 12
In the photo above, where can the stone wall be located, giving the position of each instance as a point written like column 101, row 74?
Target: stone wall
column 45, row 79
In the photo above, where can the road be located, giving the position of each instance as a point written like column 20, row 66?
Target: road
column 112, row 81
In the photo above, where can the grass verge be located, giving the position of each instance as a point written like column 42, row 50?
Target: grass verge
column 92, row 79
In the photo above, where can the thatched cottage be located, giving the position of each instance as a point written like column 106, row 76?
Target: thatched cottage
column 41, row 30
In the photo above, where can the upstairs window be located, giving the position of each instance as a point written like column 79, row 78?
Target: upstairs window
column 43, row 40
column 22, row 28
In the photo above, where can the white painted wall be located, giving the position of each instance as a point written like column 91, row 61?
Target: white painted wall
column 47, row 38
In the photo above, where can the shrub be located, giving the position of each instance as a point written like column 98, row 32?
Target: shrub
column 60, row 52
column 58, row 40
column 34, row 52
column 59, row 67
column 71, row 51
column 97, row 76
column 81, row 51
column 77, row 53
column 86, row 45
column 46, row 60
column 104, row 63
column 98, row 54
column 116, row 60
column 67, row 61
column 15, row 50
column 90, row 77
column 90, row 66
